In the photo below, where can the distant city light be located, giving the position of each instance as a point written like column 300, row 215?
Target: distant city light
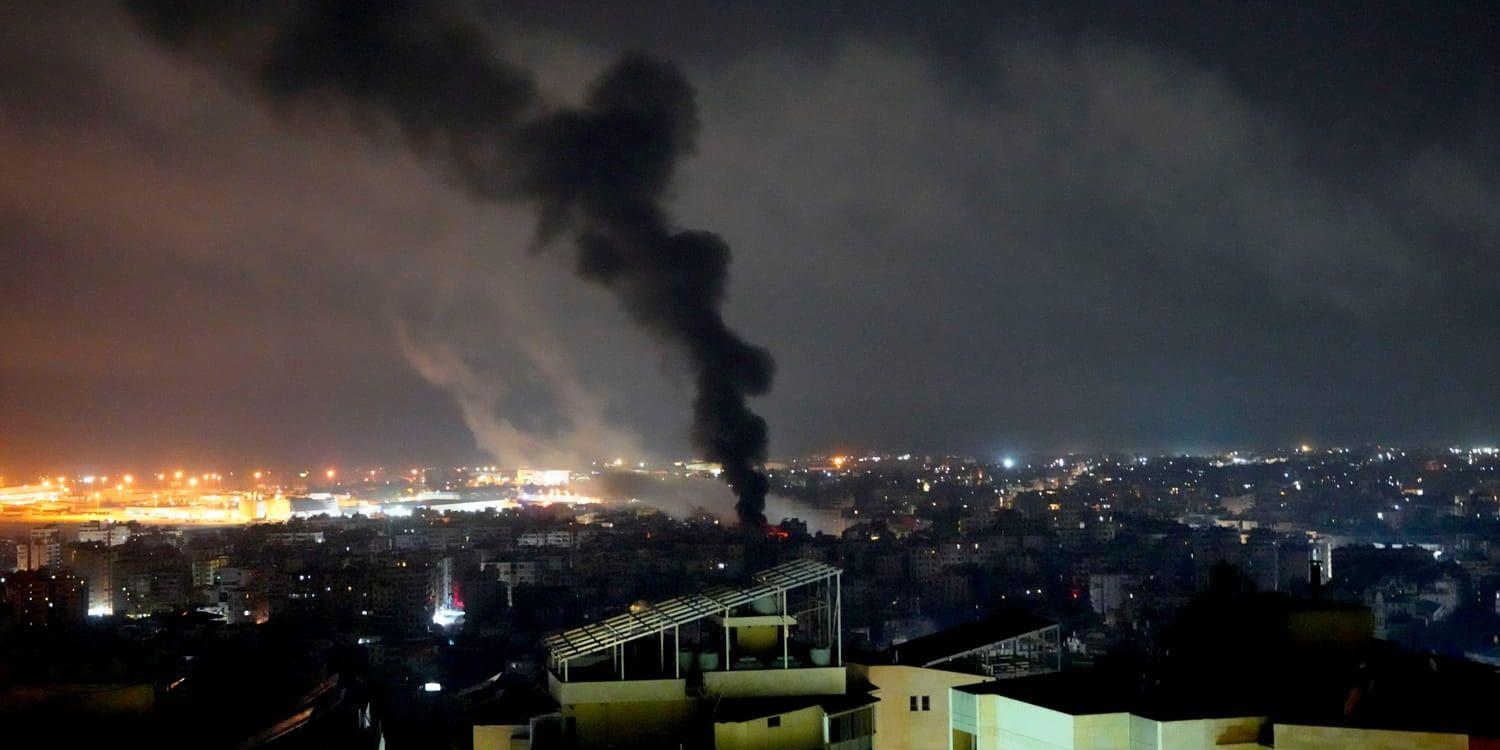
column 447, row 616
column 432, row 687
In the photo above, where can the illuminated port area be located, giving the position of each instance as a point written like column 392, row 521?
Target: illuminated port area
column 224, row 498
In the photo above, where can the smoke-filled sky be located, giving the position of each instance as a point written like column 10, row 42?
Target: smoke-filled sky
column 973, row 229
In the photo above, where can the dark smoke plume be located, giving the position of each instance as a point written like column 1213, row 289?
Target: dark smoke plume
column 597, row 173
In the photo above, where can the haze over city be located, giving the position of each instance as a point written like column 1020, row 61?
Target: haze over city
column 1001, row 229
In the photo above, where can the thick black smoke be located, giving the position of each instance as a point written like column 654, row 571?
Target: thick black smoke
column 597, row 173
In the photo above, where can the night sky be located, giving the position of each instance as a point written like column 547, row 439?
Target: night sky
column 971, row 229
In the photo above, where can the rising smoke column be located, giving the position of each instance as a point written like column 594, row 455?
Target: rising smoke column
column 598, row 173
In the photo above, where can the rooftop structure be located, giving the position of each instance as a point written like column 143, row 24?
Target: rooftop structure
column 801, row 593
column 759, row 666
column 1243, row 671
column 1006, row 644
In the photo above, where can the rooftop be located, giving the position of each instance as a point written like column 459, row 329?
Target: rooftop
column 768, row 605
column 1382, row 687
column 962, row 639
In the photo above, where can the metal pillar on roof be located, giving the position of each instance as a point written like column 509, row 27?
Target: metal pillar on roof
column 783, row 631
column 838, row 613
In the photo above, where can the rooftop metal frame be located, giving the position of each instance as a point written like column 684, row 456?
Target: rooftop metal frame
column 1053, row 632
column 616, row 631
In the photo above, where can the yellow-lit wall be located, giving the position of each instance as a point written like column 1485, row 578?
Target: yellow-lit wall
column 961, row 740
column 1296, row 737
column 657, row 713
column 642, row 724
column 897, row 726
column 753, row 683
column 757, row 639
column 799, row 730
column 1241, row 733
column 1101, row 732
column 616, row 691
column 625, row 713
column 498, row 737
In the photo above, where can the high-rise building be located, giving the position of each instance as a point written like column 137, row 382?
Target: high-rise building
column 143, row 583
column 94, row 562
column 110, row 534
column 402, row 592
column 42, row 549
column 40, row 598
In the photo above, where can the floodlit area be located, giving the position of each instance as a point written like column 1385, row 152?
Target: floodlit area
column 217, row 499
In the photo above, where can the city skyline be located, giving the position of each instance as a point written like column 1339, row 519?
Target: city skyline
column 77, row 470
